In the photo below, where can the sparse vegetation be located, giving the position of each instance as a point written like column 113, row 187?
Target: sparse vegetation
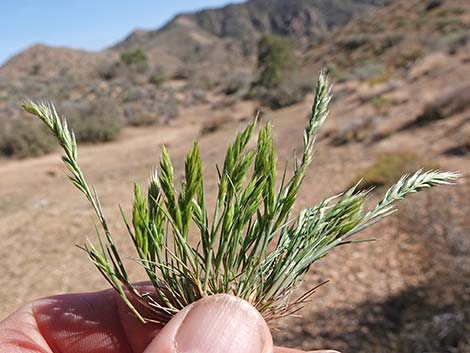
column 275, row 60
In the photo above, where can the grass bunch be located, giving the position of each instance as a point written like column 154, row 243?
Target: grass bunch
column 251, row 245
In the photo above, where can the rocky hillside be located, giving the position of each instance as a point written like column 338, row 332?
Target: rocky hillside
column 152, row 73
column 393, row 39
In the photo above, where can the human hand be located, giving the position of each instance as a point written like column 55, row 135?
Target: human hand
column 100, row 323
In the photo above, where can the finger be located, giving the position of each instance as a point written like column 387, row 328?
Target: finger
column 219, row 323
column 78, row 323
column 19, row 333
column 289, row 350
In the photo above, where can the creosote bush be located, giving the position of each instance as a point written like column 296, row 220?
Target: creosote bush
column 251, row 245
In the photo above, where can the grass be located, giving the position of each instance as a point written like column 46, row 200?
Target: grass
column 251, row 245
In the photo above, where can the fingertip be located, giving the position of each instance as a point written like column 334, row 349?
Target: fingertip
column 219, row 323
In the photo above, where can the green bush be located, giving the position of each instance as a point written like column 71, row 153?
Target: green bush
column 96, row 121
column 135, row 59
column 389, row 167
column 24, row 138
column 275, row 60
column 277, row 85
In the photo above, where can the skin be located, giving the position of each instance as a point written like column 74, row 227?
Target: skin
column 96, row 322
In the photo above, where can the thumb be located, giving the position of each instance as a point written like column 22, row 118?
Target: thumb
column 217, row 324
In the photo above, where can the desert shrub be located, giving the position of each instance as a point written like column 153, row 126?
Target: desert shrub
column 453, row 102
column 384, row 77
column 389, row 167
column 181, row 73
column 448, row 24
column 107, row 70
column 278, row 84
column 140, row 117
column 408, row 54
column 132, row 94
column 93, row 122
column 146, row 115
column 453, row 41
column 237, row 85
column 24, row 138
column 135, row 59
column 283, row 95
column 275, row 60
column 215, row 124
column 381, row 104
column 387, row 42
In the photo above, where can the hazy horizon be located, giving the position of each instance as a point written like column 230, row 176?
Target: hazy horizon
column 86, row 25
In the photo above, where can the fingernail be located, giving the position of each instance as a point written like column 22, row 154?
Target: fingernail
column 221, row 324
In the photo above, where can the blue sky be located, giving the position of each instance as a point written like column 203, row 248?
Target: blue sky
column 84, row 24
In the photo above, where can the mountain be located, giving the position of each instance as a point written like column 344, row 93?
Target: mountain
column 151, row 75
column 201, row 40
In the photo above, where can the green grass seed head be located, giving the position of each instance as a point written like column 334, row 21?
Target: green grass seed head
column 250, row 245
